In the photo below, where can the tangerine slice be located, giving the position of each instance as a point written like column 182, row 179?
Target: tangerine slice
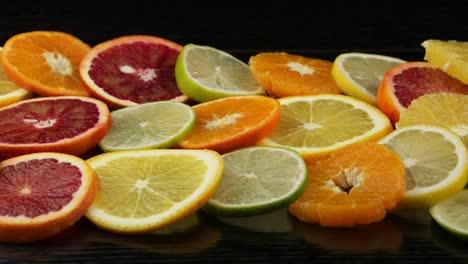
column 45, row 62
column 43, row 194
column 131, row 70
column 66, row 124
column 282, row 74
column 356, row 184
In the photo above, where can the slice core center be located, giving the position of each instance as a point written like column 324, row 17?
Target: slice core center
column 348, row 178
column 220, row 122
column 300, row 68
column 58, row 63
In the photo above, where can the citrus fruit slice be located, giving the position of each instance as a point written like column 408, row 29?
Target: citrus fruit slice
column 143, row 190
column 67, row 124
column 43, row 194
column 356, row 184
column 316, row 125
column 252, row 184
column 436, row 163
column 205, row 73
column 132, row 70
column 407, row 81
column 449, row 110
column 359, row 74
column 45, row 62
column 451, row 215
column 449, row 55
column 150, row 125
column 282, row 74
column 232, row 122
column 10, row 92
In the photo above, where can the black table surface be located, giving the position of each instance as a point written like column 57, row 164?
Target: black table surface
column 319, row 30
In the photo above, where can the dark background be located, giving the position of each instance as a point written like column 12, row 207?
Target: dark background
column 323, row 29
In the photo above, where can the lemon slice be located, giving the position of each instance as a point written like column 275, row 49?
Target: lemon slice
column 451, row 214
column 204, row 73
column 436, row 163
column 144, row 190
column 151, row 125
column 316, row 125
column 10, row 92
column 359, row 74
column 252, row 184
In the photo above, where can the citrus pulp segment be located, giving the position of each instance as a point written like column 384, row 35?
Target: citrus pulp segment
column 316, row 125
column 436, row 163
column 451, row 215
column 282, row 74
column 449, row 55
column 43, row 194
column 10, row 92
column 143, row 190
column 252, row 184
column 67, row 124
column 131, row 70
column 354, row 185
column 150, row 125
column 359, row 74
column 232, row 122
column 205, row 73
column 45, row 62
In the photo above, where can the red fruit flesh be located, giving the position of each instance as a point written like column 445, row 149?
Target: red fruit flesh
column 37, row 187
column 139, row 72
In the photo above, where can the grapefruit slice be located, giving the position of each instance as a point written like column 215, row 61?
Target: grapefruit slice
column 66, row 124
column 407, row 81
column 43, row 194
column 131, row 70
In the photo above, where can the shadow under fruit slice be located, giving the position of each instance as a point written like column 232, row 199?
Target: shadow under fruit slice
column 132, row 70
column 356, row 184
column 43, row 194
column 66, row 124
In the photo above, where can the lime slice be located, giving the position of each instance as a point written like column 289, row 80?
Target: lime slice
column 436, row 163
column 258, row 180
column 151, row 125
column 451, row 214
column 359, row 74
column 145, row 190
column 205, row 73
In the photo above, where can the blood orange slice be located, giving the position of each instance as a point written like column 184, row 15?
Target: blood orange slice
column 67, row 124
column 43, row 194
column 132, row 70
column 406, row 82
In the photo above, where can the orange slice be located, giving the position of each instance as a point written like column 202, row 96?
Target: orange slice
column 45, row 62
column 43, row 194
column 282, row 74
column 356, row 184
column 232, row 122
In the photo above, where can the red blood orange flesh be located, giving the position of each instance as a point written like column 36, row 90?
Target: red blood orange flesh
column 43, row 194
column 132, row 70
column 406, row 82
column 67, row 124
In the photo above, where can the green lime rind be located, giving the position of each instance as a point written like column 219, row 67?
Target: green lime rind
column 258, row 180
column 204, row 73
column 451, row 214
column 148, row 126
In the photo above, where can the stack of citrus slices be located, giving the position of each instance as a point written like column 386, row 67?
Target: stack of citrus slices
column 143, row 132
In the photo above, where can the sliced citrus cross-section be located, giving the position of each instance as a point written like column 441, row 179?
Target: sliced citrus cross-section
column 252, row 184
column 316, row 125
column 10, row 92
column 150, row 125
column 449, row 110
column 436, row 163
column 232, row 122
column 359, row 74
column 282, row 74
column 356, row 184
column 43, row 194
column 407, row 81
column 143, row 190
column 45, row 62
column 131, row 70
column 205, row 73
column 67, row 124
column 451, row 215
